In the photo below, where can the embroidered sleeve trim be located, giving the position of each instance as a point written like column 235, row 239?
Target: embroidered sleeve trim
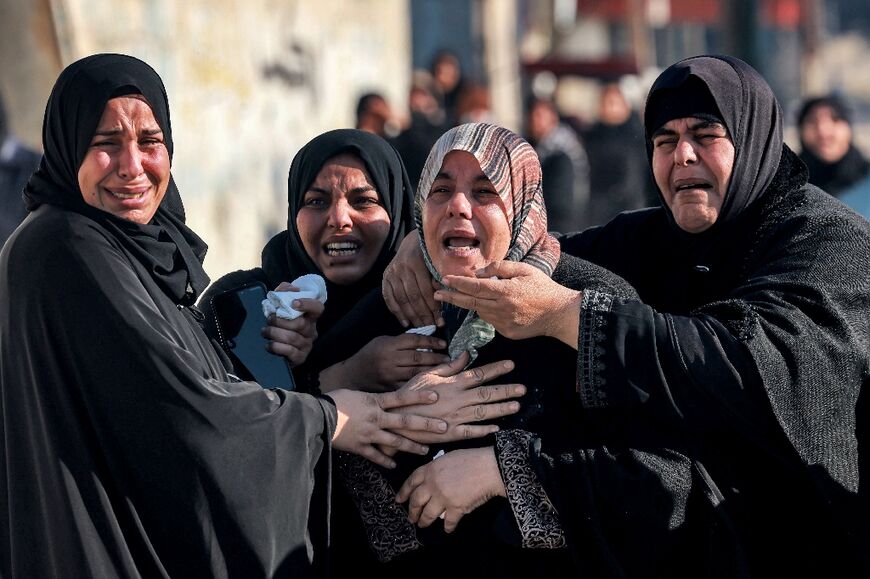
column 386, row 522
column 535, row 515
column 590, row 352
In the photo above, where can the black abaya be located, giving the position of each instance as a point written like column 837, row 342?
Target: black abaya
column 127, row 450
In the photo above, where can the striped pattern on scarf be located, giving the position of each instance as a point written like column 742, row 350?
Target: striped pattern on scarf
column 512, row 166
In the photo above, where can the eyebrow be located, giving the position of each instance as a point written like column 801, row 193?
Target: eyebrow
column 113, row 132
column 445, row 175
column 357, row 190
column 695, row 127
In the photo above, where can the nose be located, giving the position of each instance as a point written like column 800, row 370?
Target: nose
column 130, row 161
column 339, row 216
column 684, row 153
column 459, row 205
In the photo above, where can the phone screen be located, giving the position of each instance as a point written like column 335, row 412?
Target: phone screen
column 239, row 315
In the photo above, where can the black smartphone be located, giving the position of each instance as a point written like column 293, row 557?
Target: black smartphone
column 239, row 318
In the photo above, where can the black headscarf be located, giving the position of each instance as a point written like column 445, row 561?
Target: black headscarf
column 751, row 115
column 170, row 251
column 838, row 176
column 285, row 258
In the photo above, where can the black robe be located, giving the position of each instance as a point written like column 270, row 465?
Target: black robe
column 127, row 451
column 739, row 382
column 488, row 541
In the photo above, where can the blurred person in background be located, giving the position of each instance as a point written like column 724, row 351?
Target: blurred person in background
column 448, row 83
column 827, row 145
column 564, row 166
column 374, row 115
column 426, row 124
column 620, row 178
column 473, row 104
column 17, row 163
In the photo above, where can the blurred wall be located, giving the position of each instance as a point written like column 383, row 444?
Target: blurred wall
column 249, row 82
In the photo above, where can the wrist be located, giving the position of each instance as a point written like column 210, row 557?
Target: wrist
column 496, row 485
column 565, row 322
column 333, row 378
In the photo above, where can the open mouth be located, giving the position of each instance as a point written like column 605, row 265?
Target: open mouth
column 693, row 185
column 127, row 195
column 461, row 245
column 341, row 248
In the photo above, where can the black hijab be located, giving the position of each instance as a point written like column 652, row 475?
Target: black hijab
column 166, row 247
column 752, row 116
column 285, row 258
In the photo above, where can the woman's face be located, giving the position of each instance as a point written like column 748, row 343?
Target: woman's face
column 692, row 163
column 826, row 133
column 342, row 221
column 465, row 224
column 126, row 169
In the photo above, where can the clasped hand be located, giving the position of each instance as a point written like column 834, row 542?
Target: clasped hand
column 463, row 399
column 293, row 339
column 452, row 486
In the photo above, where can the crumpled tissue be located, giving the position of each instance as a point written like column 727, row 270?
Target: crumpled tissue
column 310, row 286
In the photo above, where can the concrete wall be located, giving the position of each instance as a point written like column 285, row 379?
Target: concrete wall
column 249, row 82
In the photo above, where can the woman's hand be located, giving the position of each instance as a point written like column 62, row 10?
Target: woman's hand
column 452, row 485
column 385, row 363
column 408, row 288
column 364, row 423
column 293, row 339
column 522, row 303
column 463, row 399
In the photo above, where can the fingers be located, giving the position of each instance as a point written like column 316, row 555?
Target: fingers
column 407, row 283
column 416, row 358
column 411, row 422
column 397, row 442
column 471, row 431
column 472, row 286
column 411, row 483
column 303, row 325
column 286, row 286
column 283, row 337
column 420, row 342
column 457, row 298
column 485, row 373
column 453, row 367
column 505, row 269
column 377, row 456
column 487, row 411
column 311, row 307
column 395, row 298
column 451, row 520
column 425, row 306
column 429, row 514
column 439, row 319
column 404, row 397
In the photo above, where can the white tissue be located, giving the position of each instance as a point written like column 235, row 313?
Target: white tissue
column 310, row 286
column 422, row 330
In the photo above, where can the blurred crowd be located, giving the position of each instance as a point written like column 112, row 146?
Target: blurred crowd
column 592, row 168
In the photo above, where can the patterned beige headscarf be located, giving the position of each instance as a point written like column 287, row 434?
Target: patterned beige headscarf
column 512, row 166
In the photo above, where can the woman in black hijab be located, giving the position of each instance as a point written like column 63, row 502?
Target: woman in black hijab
column 726, row 407
column 127, row 450
column 347, row 186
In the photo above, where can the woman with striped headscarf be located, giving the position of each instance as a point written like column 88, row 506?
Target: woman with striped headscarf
column 480, row 201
